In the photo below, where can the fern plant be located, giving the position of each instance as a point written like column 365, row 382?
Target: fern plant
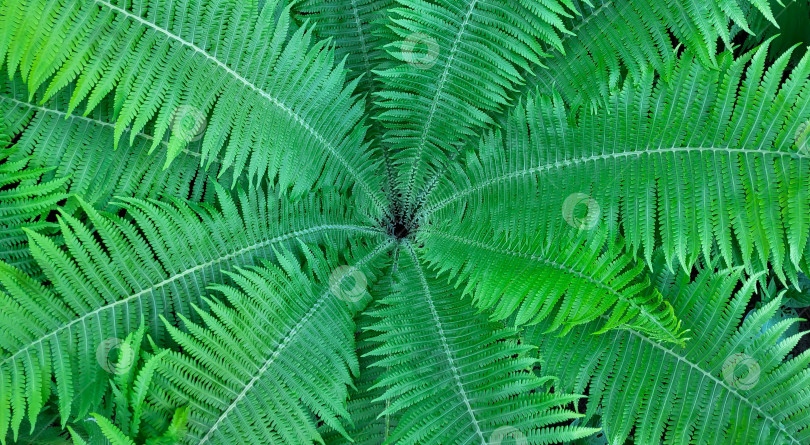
column 403, row 221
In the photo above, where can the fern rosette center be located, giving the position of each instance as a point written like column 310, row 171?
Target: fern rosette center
column 404, row 222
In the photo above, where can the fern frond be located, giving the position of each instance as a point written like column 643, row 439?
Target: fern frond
column 111, row 432
column 355, row 27
column 451, row 384
column 711, row 156
column 358, row 30
column 734, row 382
column 457, row 61
column 46, row 432
column 569, row 278
column 614, row 39
column 366, row 404
column 111, row 274
column 79, row 148
column 125, row 411
column 241, row 374
column 219, row 64
column 790, row 28
column 25, row 199
column 370, row 425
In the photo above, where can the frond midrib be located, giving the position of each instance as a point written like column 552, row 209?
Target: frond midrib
column 272, row 99
column 608, row 156
column 287, row 339
column 185, row 272
column 361, row 36
column 717, row 381
column 453, row 368
column 527, row 88
column 101, row 123
column 523, row 90
column 561, row 267
column 435, row 102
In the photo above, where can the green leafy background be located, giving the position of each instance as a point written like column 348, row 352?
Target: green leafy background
column 404, row 221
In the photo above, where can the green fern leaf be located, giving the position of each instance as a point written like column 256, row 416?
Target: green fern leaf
column 111, row 432
column 440, row 94
column 25, row 199
column 79, row 148
column 160, row 68
column 707, row 157
column 564, row 277
column 113, row 274
column 735, row 382
column 450, row 384
column 366, row 404
column 241, row 373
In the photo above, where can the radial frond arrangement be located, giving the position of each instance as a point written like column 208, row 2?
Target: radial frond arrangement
column 447, row 384
column 404, row 222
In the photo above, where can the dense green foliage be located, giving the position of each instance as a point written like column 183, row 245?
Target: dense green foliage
column 404, row 221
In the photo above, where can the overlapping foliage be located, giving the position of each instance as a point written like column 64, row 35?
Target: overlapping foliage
column 403, row 221
column 662, row 380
